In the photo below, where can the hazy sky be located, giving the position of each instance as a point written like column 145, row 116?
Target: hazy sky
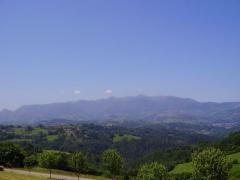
column 61, row 50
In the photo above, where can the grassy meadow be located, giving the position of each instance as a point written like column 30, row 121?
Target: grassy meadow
column 15, row 176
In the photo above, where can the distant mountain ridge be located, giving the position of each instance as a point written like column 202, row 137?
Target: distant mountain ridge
column 144, row 108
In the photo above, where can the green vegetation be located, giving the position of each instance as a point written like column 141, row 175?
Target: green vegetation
column 47, row 160
column 64, row 173
column 210, row 164
column 56, row 149
column 183, row 168
column 52, row 138
column 30, row 162
column 94, row 139
column 11, row 154
column 125, row 137
column 234, row 172
column 112, row 162
column 169, row 157
column 39, row 130
column 19, row 131
column 78, row 162
column 231, row 143
column 152, row 171
column 53, row 160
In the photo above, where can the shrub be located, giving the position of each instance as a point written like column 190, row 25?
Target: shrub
column 11, row 154
column 235, row 161
column 152, row 171
column 78, row 163
column 30, row 162
column 112, row 162
column 210, row 164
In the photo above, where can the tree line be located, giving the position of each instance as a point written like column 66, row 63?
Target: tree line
column 209, row 164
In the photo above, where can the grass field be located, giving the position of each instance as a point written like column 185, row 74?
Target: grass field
column 65, row 173
column 19, row 131
column 15, row 176
column 32, row 132
column 234, row 172
column 52, row 137
column 37, row 131
column 180, row 168
column 125, row 137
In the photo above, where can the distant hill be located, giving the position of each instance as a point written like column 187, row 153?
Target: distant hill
column 132, row 143
column 127, row 109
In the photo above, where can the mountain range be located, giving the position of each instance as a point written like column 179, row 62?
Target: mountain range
column 162, row 109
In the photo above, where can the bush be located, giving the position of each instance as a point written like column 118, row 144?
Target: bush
column 112, row 162
column 152, row 171
column 48, row 160
column 210, row 164
column 11, row 154
column 30, row 162
column 54, row 160
column 235, row 161
column 78, row 163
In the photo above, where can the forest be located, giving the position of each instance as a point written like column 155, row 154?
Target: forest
column 116, row 152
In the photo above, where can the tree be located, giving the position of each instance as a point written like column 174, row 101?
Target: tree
column 152, row 171
column 11, row 154
column 30, row 162
column 112, row 162
column 78, row 162
column 47, row 160
column 62, row 159
column 210, row 164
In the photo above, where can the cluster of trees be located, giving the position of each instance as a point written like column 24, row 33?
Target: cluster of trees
column 94, row 139
column 209, row 164
column 112, row 162
column 12, row 155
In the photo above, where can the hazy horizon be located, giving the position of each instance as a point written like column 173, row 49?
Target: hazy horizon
column 76, row 100
column 60, row 51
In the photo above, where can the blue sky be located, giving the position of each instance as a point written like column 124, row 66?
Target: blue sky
column 60, row 50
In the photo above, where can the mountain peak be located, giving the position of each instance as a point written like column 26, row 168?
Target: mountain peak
column 5, row 111
column 139, row 107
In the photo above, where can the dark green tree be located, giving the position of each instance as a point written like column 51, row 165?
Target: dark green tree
column 48, row 160
column 78, row 162
column 11, row 154
column 112, row 162
column 152, row 171
column 62, row 160
column 210, row 164
column 30, row 162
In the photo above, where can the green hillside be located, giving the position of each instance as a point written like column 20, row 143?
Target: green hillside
column 234, row 172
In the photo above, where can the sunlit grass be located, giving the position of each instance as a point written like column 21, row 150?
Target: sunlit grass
column 4, row 175
column 65, row 173
column 125, row 137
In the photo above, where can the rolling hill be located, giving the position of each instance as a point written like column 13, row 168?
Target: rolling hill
column 128, row 109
